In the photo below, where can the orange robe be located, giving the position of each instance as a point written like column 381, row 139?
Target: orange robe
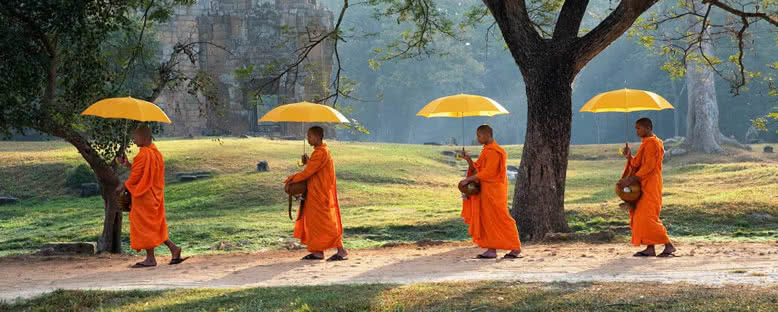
column 644, row 220
column 491, row 226
column 148, row 228
column 319, row 228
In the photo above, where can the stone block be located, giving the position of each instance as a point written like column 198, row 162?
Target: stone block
column 8, row 200
column 263, row 166
column 69, row 248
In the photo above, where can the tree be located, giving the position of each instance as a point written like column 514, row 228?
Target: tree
column 59, row 57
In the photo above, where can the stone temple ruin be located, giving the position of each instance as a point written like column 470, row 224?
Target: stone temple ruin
column 240, row 34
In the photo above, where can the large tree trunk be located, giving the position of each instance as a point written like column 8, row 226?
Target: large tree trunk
column 538, row 200
column 702, row 122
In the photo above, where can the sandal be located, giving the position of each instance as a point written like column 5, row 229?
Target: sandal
column 311, row 257
column 177, row 260
column 336, row 257
column 138, row 265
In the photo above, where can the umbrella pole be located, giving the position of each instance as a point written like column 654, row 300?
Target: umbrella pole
column 463, row 134
column 303, row 138
column 626, row 126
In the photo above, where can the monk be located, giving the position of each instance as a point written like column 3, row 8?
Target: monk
column 318, row 224
column 644, row 221
column 491, row 226
column 148, row 228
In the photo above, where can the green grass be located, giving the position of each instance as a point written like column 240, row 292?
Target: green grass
column 456, row 296
column 388, row 193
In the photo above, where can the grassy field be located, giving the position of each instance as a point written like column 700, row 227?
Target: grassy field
column 460, row 296
column 388, row 193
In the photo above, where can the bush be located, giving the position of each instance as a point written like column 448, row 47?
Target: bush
column 79, row 175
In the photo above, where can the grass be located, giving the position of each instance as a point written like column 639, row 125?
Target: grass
column 388, row 193
column 453, row 296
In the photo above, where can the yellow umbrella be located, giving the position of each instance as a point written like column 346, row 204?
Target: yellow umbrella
column 460, row 106
column 304, row 112
column 625, row 101
column 127, row 108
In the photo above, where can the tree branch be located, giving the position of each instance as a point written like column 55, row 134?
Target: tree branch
column 731, row 10
column 516, row 27
column 570, row 19
column 609, row 30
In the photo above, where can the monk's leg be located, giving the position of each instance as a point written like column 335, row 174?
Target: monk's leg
column 342, row 252
column 175, row 251
column 669, row 250
column 648, row 252
column 515, row 253
column 150, row 259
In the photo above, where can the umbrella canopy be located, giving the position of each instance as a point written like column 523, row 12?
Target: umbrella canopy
column 304, row 112
column 462, row 105
column 625, row 101
column 127, row 108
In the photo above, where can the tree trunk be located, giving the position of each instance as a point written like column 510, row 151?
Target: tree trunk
column 702, row 122
column 538, row 200
column 110, row 240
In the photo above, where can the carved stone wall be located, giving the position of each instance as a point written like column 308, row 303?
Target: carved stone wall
column 234, row 34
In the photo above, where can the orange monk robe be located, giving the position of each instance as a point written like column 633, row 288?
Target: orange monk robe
column 491, row 226
column 148, row 228
column 319, row 228
column 644, row 220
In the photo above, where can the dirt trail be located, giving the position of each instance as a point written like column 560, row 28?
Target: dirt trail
column 708, row 263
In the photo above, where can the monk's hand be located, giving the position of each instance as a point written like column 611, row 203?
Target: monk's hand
column 305, row 159
column 466, row 157
column 627, row 151
column 119, row 189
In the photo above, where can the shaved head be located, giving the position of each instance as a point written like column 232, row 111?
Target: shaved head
column 143, row 131
column 486, row 129
column 317, row 131
column 484, row 134
column 142, row 136
column 646, row 123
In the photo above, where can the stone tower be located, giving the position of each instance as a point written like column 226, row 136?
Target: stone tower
column 236, row 34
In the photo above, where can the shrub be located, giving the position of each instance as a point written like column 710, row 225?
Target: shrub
column 79, row 175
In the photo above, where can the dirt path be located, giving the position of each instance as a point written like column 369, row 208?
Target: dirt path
column 710, row 264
